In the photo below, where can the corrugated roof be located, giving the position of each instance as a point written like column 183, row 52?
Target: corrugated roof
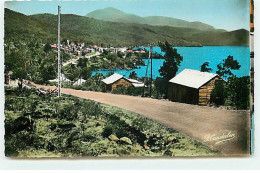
column 62, row 78
column 136, row 83
column 79, row 81
column 192, row 78
column 113, row 78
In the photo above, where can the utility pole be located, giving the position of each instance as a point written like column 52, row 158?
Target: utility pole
column 150, row 56
column 59, row 63
column 151, row 49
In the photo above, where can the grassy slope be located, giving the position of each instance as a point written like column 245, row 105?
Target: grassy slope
column 85, row 29
column 40, row 126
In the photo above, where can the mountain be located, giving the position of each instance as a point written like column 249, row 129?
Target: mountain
column 80, row 28
column 115, row 15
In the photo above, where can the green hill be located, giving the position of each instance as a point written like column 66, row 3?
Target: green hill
column 80, row 28
column 115, row 15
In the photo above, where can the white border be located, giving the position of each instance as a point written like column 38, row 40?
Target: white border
column 252, row 162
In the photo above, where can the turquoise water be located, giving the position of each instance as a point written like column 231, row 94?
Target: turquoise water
column 193, row 58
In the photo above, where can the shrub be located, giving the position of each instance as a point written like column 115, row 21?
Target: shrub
column 219, row 94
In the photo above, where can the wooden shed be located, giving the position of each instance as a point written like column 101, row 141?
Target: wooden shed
column 116, row 80
column 192, row 86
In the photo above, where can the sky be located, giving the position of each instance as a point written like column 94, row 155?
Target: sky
column 222, row 14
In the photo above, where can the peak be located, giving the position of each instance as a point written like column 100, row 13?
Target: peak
column 110, row 8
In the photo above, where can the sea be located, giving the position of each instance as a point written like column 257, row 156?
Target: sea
column 193, row 58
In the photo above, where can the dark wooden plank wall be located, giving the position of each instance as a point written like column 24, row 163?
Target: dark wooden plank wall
column 121, row 81
column 205, row 91
column 183, row 94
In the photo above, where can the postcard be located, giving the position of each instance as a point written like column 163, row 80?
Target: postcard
column 129, row 79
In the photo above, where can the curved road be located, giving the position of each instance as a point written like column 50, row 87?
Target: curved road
column 227, row 131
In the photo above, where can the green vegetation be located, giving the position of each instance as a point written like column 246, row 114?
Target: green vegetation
column 204, row 67
column 32, row 60
column 47, row 126
column 89, row 30
column 172, row 61
column 109, row 60
column 224, row 69
column 169, row 68
column 235, row 92
column 93, row 83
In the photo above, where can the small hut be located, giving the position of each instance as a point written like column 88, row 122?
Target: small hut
column 79, row 82
column 116, row 80
column 192, row 86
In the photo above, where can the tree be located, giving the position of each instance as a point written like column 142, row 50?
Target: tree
column 86, row 73
column 47, row 48
column 219, row 93
column 224, row 69
column 204, row 67
column 239, row 92
column 18, row 62
column 133, row 75
column 161, row 85
column 109, row 73
column 172, row 61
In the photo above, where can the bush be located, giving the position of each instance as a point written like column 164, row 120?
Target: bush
column 219, row 94
column 234, row 93
column 239, row 92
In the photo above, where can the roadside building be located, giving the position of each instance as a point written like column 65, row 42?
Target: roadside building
column 79, row 82
column 8, row 81
column 62, row 78
column 136, row 83
column 116, row 80
column 192, row 86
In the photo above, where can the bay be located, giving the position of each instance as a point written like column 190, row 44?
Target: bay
column 193, row 58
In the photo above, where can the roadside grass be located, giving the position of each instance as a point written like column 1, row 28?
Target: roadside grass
column 39, row 126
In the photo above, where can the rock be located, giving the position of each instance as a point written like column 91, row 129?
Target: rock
column 172, row 139
column 113, row 137
column 122, row 151
column 168, row 153
column 138, row 147
column 146, row 147
column 111, row 151
column 126, row 140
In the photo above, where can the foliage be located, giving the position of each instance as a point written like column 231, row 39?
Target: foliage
column 161, row 85
column 47, row 126
column 93, row 83
column 73, row 27
column 128, row 90
column 219, row 93
column 172, row 61
column 133, row 75
column 204, row 67
column 239, row 92
column 235, row 93
column 224, row 69
column 30, row 61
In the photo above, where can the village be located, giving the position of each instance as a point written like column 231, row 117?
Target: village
column 82, row 98
column 83, row 50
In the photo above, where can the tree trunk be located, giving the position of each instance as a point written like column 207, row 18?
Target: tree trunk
column 20, row 83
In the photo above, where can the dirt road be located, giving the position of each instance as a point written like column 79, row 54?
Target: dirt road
column 224, row 130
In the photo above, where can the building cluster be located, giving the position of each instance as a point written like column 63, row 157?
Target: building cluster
column 189, row 86
column 82, row 49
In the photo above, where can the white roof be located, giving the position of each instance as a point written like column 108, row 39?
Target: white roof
column 192, row 78
column 79, row 82
column 113, row 78
column 136, row 83
column 63, row 78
